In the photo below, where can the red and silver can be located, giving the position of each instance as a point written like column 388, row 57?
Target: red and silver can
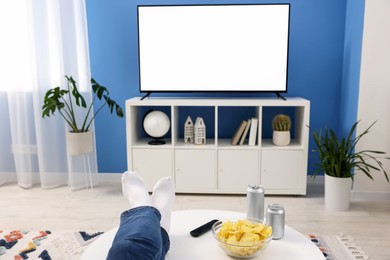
column 275, row 218
column 255, row 200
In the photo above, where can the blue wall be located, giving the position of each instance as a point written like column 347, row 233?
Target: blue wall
column 316, row 67
column 351, row 64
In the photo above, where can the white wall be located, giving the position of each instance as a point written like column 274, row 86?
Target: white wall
column 374, row 94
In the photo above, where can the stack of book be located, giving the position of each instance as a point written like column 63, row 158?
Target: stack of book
column 246, row 130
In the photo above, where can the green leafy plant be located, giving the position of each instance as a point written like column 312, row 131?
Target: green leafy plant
column 338, row 158
column 281, row 123
column 65, row 100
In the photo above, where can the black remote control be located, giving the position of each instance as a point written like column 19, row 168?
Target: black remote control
column 203, row 229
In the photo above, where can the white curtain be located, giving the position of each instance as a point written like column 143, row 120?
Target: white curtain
column 41, row 42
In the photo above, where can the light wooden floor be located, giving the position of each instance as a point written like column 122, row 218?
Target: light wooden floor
column 367, row 221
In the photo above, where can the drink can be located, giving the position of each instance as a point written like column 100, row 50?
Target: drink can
column 275, row 218
column 255, row 201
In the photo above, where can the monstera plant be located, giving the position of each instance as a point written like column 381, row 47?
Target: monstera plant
column 66, row 101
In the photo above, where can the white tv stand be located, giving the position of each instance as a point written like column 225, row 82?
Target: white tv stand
column 218, row 166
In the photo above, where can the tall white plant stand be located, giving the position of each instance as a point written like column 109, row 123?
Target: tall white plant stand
column 80, row 148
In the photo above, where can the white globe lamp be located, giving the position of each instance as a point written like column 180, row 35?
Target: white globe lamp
column 156, row 125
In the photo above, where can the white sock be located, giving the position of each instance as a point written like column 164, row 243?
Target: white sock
column 162, row 199
column 134, row 190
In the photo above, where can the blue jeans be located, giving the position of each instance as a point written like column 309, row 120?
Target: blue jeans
column 140, row 236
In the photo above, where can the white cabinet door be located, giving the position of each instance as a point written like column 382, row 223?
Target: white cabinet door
column 237, row 169
column 152, row 164
column 194, row 169
column 281, row 170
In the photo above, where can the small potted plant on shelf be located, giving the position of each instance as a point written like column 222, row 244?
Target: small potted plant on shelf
column 79, row 138
column 339, row 161
column 281, row 125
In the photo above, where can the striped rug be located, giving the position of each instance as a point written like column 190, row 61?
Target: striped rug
column 44, row 244
column 338, row 247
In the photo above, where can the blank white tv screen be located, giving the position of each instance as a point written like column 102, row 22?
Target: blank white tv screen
column 213, row 48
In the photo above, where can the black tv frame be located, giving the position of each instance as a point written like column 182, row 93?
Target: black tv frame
column 278, row 93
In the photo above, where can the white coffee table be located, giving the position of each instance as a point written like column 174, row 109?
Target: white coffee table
column 293, row 245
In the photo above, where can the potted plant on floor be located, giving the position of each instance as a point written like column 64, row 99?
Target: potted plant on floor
column 339, row 161
column 79, row 138
column 281, row 125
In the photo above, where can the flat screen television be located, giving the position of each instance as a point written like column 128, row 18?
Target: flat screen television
column 213, row 48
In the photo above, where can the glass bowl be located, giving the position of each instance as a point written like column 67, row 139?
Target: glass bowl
column 239, row 240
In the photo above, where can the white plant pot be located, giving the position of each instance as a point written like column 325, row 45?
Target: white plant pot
column 79, row 143
column 337, row 193
column 281, row 138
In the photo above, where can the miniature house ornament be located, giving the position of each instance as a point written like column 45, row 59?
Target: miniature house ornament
column 199, row 131
column 188, row 131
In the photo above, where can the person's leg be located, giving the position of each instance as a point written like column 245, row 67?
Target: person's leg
column 134, row 190
column 162, row 198
column 140, row 236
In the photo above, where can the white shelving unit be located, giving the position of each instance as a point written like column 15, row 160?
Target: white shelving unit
column 218, row 166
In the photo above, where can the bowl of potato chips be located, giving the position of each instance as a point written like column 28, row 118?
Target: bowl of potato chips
column 242, row 238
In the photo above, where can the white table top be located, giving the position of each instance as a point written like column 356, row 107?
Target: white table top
column 293, row 245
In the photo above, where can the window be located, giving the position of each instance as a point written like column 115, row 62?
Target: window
column 15, row 50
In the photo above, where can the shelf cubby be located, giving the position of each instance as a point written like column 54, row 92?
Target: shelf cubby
column 139, row 136
column 207, row 113
column 236, row 114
